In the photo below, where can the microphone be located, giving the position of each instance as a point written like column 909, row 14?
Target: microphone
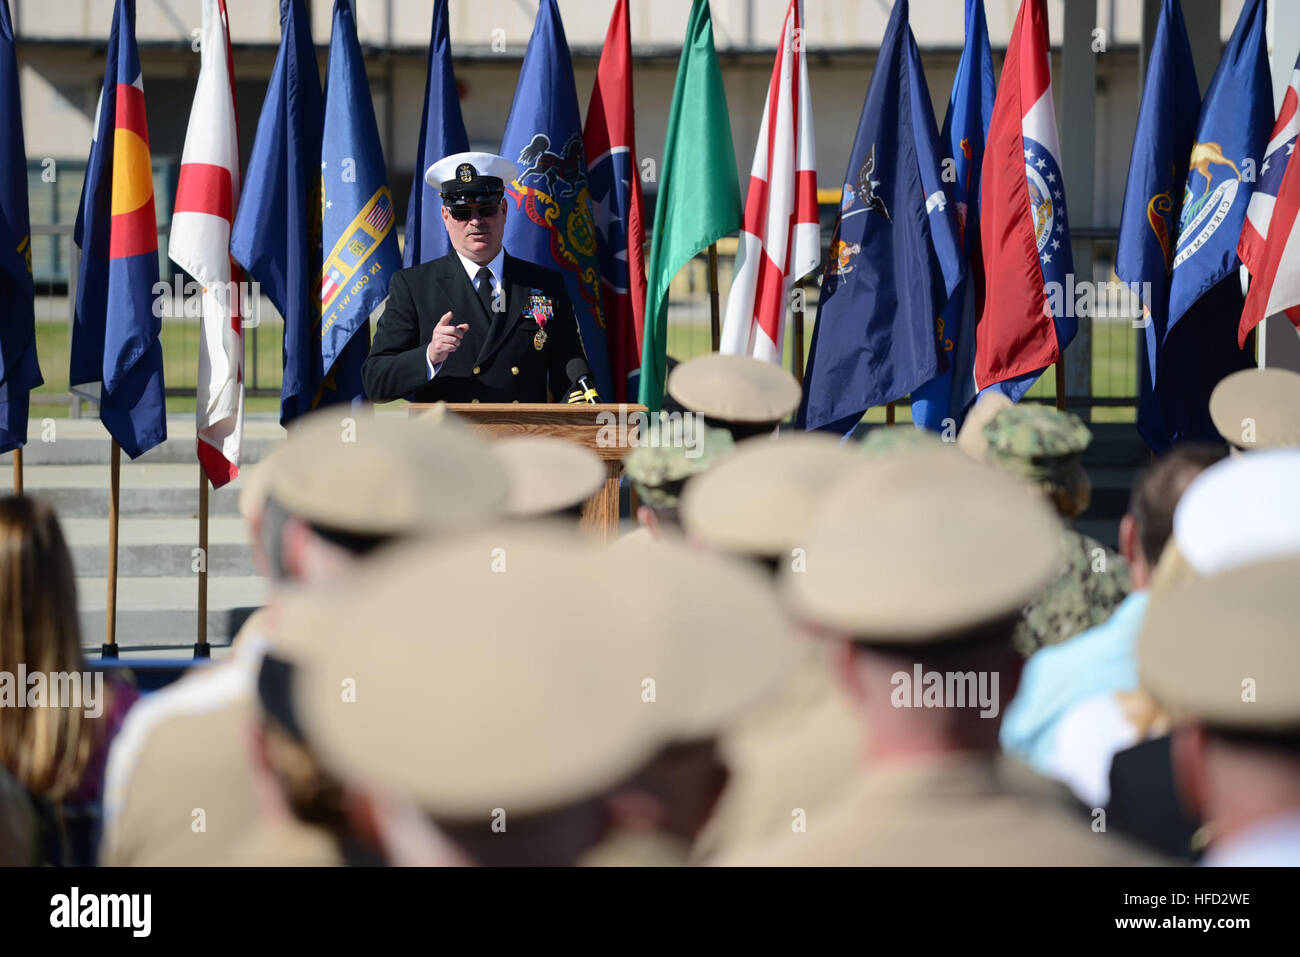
column 579, row 373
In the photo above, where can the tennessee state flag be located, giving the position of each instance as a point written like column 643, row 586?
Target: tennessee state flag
column 609, row 138
column 1024, row 234
column 116, row 357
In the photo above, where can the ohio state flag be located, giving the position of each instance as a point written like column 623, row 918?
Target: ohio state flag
column 206, row 196
column 1024, row 321
column 1270, row 240
column 780, row 241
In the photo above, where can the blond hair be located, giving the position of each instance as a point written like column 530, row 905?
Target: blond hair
column 45, row 748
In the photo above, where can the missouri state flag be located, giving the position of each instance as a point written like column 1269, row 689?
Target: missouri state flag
column 894, row 258
column 780, row 240
column 1024, row 321
column 1200, row 343
column 116, row 356
column 206, row 194
column 1270, row 240
column 609, row 138
column 442, row 133
column 549, row 219
column 19, row 370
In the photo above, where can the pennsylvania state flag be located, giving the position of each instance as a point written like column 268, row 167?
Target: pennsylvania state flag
column 116, row 357
column 19, row 370
column 359, row 245
column 895, row 256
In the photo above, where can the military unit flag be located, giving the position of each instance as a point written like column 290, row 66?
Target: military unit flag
column 699, row 189
column 19, row 370
column 442, row 133
column 894, row 258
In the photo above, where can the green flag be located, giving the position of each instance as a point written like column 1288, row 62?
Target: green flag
column 699, row 194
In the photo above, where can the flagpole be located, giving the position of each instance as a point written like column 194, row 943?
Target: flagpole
column 201, row 647
column 18, row 471
column 889, row 413
column 1060, row 382
column 713, row 296
column 110, row 609
column 798, row 332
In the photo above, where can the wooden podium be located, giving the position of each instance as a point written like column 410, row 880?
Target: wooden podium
column 603, row 428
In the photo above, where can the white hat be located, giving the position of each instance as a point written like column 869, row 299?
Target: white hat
column 471, row 173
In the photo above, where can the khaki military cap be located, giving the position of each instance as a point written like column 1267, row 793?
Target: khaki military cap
column 547, row 474
column 971, row 438
column 725, row 639
column 256, row 486
column 1258, row 408
column 758, row 501
column 346, row 469
column 736, row 389
column 920, row 546
column 483, row 674
column 1225, row 649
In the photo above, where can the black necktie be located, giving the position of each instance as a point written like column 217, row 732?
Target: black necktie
column 484, row 281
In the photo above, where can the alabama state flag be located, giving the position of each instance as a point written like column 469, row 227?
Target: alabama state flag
column 116, row 357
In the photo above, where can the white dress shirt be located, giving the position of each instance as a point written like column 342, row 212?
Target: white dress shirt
column 496, row 267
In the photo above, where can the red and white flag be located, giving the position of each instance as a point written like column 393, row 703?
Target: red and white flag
column 1270, row 239
column 780, row 241
column 207, row 195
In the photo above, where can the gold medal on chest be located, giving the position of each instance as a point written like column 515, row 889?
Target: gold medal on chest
column 539, row 340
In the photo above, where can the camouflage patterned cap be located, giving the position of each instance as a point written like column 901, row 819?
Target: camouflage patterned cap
column 886, row 441
column 1035, row 441
column 671, row 451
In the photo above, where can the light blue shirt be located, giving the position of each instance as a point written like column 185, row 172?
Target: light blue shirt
column 1099, row 661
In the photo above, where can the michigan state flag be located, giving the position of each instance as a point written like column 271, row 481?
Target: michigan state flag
column 1205, row 299
column 116, row 356
column 359, row 245
column 19, row 370
column 549, row 219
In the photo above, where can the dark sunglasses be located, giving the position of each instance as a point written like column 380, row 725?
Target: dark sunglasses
column 463, row 214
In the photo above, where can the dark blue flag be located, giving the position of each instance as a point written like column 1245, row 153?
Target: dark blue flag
column 941, row 403
column 116, row 356
column 549, row 219
column 1153, row 198
column 276, row 235
column 19, row 370
column 895, row 257
column 1205, row 298
column 442, row 133
column 359, row 248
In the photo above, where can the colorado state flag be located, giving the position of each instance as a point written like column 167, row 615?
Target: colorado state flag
column 116, row 355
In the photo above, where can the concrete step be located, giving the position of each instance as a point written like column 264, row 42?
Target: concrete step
column 85, row 441
column 162, row 613
column 149, row 547
column 79, row 491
